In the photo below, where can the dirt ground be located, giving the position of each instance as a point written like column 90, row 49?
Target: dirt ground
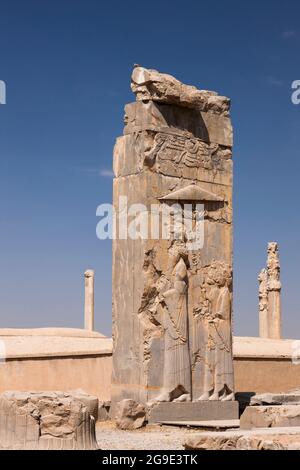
column 152, row 437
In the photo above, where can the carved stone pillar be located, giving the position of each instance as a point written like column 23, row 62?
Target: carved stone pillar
column 172, row 296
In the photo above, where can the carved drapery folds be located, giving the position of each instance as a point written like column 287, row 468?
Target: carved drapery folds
column 215, row 321
column 177, row 366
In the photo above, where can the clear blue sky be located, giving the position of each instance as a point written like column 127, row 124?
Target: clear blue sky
column 67, row 67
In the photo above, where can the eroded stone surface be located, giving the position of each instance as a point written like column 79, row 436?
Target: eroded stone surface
column 262, row 439
column 270, row 416
column 130, row 415
column 152, row 85
column 45, row 420
column 90, row 401
column 103, row 410
column 176, row 120
column 284, row 398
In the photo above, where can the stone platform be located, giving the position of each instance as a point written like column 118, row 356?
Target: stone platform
column 194, row 411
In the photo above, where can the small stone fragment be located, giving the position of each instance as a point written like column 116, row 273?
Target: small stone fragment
column 130, row 415
column 103, row 410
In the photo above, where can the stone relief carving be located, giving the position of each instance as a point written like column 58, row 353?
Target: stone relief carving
column 214, row 320
column 273, row 266
column 182, row 151
column 164, row 312
column 263, row 303
column 169, row 293
column 173, row 326
column 177, row 367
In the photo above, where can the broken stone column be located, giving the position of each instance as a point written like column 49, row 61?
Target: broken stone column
column 45, row 421
column 172, row 256
column 270, row 296
column 89, row 299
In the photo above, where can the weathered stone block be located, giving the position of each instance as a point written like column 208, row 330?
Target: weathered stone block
column 45, row 421
column 193, row 411
column 130, row 415
column 104, row 410
column 148, row 84
column 90, row 401
column 288, row 398
column 208, row 127
column 270, row 416
column 260, row 439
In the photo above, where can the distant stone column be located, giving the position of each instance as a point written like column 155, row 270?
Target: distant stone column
column 270, row 296
column 89, row 299
column 274, row 291
column 263, row 304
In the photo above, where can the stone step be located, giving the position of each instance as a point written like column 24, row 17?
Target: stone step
column 214, row 424
column 194, row 411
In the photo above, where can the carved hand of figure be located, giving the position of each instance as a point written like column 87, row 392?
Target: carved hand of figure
column 201, row 312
